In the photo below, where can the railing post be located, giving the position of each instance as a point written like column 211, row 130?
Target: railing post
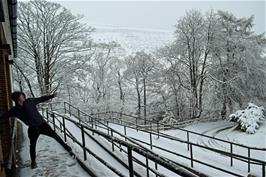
column 147, row 166
column 65, row 107
column 125, row 130
column 79, row 115
column 120, row 146
column 83, row 142
column 92, row 125
column 47, row 114
column 64, row 128
column 158, row 128
column 248, row 159
column 69, row 110
column 151, row 140
column 53, row 117
column 263, row 169
column 231, row 153
column 156, row 168
column 187, row 140
column 136, row 123
column 191, row 155
column 130, row 162
column 113, row 147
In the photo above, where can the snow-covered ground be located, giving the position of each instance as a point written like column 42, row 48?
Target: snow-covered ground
column 52, row 160
column 133, row 40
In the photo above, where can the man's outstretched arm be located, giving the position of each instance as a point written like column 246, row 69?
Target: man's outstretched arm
column 44, row 98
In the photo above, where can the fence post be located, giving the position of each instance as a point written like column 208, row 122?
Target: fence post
column 120, row 146
column 156, row 168
column 113, row 147
column 231, row 153
column 53, row 117
column 263, row 169
column 79, row 115
column 125, row 130
column 69, row 110
column 191, row 155
column 47, row 114
column 64, row 127
column 151, row 140
column 65, row 107
column 147, row 166
column 95, row 124
column 136, row 123
column 187, row 140
column 130, row 162
column 158, row 128
column 83, row 142
column 248, row 159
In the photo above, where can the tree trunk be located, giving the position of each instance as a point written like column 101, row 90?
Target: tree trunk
column 145, row 101
column 139, row 98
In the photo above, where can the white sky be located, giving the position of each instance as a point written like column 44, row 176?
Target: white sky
column 159, row 14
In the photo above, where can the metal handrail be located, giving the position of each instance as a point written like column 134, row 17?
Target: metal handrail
column 131, row 147
column 162, row 124
column 231, row 154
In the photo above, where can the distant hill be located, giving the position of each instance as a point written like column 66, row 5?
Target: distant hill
column 133, row 39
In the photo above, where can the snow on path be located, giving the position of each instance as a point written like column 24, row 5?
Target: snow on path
column 52, row 160
column 208, row 156
column 94, row 147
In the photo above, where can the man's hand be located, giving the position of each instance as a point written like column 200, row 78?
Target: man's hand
column 55, row 94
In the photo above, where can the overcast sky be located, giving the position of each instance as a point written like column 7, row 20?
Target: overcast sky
column 159, row 14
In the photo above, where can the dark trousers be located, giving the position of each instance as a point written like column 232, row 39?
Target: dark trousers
column 45, row 129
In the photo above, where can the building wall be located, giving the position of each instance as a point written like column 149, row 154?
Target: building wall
column 6, row 55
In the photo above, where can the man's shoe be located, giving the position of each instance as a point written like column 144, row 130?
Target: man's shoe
column 72, row 154
column 33, row 165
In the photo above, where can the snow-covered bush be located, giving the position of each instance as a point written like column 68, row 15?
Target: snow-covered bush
column 250, row 118
column 168, row 118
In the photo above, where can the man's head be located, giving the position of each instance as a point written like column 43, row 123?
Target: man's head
column 18, row 97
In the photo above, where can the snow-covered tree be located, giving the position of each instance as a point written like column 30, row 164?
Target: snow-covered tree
column 139, row 69
column 236, row 61
column 52, row 43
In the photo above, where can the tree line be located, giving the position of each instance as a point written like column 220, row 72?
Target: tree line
column 215, row 64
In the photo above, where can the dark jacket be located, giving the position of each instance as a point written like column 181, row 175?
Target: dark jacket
column 28, row 112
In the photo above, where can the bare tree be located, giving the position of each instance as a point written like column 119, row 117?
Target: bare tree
column 194, row 34
column 140, row 67
column 48, row 37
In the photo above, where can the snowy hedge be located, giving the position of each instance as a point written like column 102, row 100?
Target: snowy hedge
column 250, row 118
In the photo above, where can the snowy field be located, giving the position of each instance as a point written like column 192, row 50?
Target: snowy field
column 133, row 40
column 52, row 156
